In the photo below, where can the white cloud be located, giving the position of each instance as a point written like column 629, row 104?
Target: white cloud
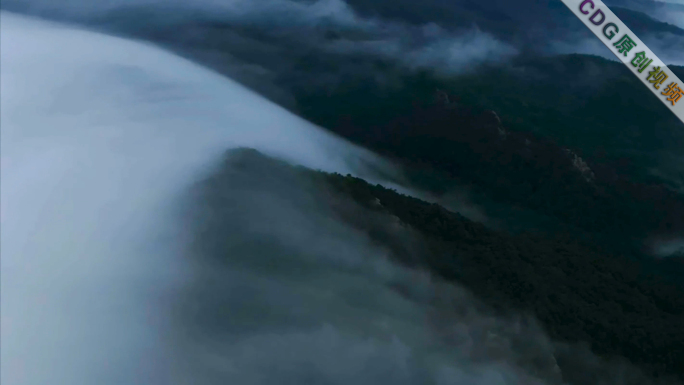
column 101, row 139
column 419, row 47
column 100, row 136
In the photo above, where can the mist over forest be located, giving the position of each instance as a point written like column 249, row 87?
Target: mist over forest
column 337, row 192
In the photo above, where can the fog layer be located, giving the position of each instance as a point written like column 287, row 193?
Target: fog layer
column 113, row 272
column 100, row 138
column 134, row 253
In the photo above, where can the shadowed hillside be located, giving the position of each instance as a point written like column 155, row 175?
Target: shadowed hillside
column 570, row 149
column 578, row 292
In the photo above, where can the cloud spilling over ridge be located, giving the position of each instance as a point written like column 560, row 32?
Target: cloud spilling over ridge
column 100, row 137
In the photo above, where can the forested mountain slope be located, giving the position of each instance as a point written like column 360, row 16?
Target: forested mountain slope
column 579, row 293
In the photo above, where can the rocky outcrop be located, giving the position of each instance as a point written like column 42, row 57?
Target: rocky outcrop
column 502, row 131
column 581, row 166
